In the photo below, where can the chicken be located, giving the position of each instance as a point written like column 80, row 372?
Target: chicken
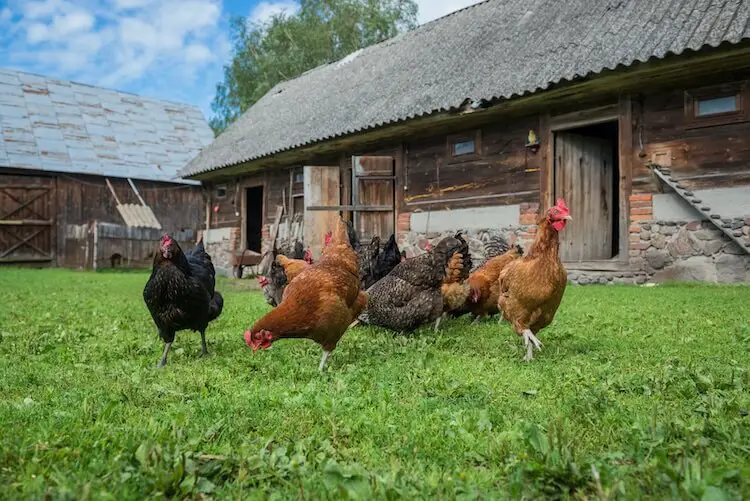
column 496, row 245
column 532, row 287
column 455, row 290
column 375, row 261
column 319, row 304
column 181, row 292
column 484, row 286
column 283, row 270
column 410, row 295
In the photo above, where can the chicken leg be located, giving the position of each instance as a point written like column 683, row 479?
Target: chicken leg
column 163, row 361
column 323, row 360
column 204, row 348
column 531, row 341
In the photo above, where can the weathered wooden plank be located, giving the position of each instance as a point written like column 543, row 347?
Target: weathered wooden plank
column 374, row 183
column 321, row 189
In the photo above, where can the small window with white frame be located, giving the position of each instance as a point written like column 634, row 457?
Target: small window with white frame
column 221, row 191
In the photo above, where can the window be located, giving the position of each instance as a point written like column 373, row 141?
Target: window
column 464, row 147
column 299, row 176
column 221, row 191
column 717, row 105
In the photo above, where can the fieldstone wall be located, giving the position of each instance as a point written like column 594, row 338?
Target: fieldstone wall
column 414, row 243
column 686, row 250
column 659, row 251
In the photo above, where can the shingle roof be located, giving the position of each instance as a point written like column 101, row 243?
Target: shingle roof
column 61, row 126
column 494, row 49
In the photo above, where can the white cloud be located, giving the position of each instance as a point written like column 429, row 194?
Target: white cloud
column 432, row 9
column 197, row 53
column 264, row 11
column 6, row 14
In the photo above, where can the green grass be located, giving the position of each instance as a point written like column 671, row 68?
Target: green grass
column 647, row 387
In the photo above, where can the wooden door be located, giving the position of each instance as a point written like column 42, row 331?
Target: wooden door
column 373, row 196
column 26, row 223
column 322, row 196
column 584, row 177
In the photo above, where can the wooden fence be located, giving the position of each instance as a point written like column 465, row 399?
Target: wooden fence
column 100, row 245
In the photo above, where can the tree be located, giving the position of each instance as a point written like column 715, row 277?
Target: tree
column 320, row 32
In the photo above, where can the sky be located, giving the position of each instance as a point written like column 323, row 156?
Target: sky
column 166, row 49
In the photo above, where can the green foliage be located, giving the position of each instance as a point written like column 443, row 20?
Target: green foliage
column 322, row 31
column 639, row 393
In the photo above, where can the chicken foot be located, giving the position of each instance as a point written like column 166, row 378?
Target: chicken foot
column 163, row 361
column 531, row 342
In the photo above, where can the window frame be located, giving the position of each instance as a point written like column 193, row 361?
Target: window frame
column 221, row 187
column 693, row 96
column 453, row 139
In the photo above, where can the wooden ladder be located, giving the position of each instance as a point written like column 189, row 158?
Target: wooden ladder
column 665, row 175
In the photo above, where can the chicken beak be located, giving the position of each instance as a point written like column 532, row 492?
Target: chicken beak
column 569, row 218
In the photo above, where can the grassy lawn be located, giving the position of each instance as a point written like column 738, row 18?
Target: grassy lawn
column 639, row 393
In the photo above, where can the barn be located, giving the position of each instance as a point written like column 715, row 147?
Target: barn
column 88, row 176
column 636, row 112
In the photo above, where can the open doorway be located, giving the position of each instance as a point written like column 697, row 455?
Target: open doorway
column 587, row 175
column 254, row 217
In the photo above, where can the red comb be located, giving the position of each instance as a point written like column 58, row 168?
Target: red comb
column 561, row 203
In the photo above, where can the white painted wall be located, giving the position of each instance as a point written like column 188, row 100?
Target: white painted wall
column 727, row 202
column 475, row 218
column 216, row 235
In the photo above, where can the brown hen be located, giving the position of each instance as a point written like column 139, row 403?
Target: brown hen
column 531, row 288
column 319, row 304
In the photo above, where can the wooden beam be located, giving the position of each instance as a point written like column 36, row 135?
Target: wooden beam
column 598, row 266
column 358, row 208
column 26, row 222
column 662, row 73
column 625, row 146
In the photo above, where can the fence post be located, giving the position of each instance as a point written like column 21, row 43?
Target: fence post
column 96, row 243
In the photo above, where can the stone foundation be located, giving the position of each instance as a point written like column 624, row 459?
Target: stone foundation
column 221, row 243
column 659, row 251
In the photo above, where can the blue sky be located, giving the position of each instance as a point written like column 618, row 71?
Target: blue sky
column 168, row 49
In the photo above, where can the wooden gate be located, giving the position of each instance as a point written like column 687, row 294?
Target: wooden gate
column 584, row 177
column 26, row 223
column 371, row 204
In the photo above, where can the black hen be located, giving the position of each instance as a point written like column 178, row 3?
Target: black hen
column 181, row 292
column 410, row 295
column 383, row 262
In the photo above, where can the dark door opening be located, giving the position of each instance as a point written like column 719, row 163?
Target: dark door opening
column 587, row 175
column 254, row 217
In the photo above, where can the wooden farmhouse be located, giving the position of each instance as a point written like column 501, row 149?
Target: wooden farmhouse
column 88, row 176
column 636, row 112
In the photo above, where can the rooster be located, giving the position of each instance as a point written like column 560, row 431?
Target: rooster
column 181, row 292
column 532, row 287
column 411, row 294
column 319, row 304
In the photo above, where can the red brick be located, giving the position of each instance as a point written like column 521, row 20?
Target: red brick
column 641, row 203
column 640, row 246
column 635, row 228
column 693, row 225
column 641, row 211
column 641, row 217
column 404, row 222
column 641, row 197
column 528, row 219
